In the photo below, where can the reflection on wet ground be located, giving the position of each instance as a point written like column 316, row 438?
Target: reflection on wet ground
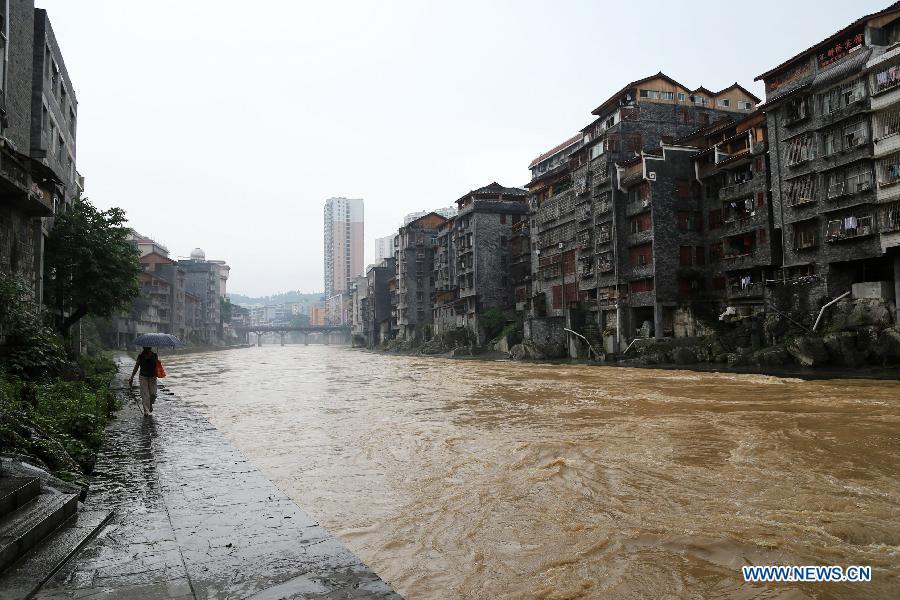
column 458, row 479
column 195, row 519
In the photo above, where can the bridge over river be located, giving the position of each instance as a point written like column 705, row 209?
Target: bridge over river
column 328, row 334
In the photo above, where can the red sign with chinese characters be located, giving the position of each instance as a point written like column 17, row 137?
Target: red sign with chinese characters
column 840, row 49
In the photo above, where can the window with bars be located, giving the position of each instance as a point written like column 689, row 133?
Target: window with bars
column 889, row 217
column 843, row 95
column 801, row 190
column 797, row 110
column 604, row 232
column 885, row 79
column 800, row 149
column 805, row 235
column 889, row 170
column 887, row 123
column 605, row 262
column 846, row 136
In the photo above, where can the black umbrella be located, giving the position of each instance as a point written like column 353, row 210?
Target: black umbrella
column 158, row 340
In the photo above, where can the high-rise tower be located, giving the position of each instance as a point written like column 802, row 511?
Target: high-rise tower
column 343, row 243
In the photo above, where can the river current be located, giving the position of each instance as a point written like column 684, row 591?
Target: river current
column 470, row 479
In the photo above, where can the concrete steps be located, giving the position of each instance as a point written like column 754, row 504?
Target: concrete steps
column 40, row 529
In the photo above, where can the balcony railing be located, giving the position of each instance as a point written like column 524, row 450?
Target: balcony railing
column 846, row 229
column 733, row 261
column 750, row 290
column 735, row 189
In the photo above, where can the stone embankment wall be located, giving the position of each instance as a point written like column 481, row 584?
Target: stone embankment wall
column 852, row 333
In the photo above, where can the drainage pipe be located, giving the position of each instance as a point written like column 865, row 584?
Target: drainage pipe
column 821, row 312
column 575, row 333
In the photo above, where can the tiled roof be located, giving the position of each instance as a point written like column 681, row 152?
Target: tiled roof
column 797, row 57
column 572, row 140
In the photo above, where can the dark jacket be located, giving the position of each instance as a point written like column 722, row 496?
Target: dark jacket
column 147, row 361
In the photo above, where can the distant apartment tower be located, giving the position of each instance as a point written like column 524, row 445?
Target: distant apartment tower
column 384, row 248
column 343, row 243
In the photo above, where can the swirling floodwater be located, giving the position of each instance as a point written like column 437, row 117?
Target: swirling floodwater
column 478, row 479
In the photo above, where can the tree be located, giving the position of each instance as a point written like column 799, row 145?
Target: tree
column 90, row 266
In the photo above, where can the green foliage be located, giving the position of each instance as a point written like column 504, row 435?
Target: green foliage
column 91, row 268
column 225, row 309
column 492, row 321
column 294, row 296
column 28, row 348
column 62, row 422
column 513, row 333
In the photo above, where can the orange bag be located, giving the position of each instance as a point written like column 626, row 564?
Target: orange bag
column 160, row 372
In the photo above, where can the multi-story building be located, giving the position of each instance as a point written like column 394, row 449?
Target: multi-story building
column 833, row 113
column 414, row 248
column 37, row 122
column 473, row 258
column 592, row 240
column 384, row 248
column 343, row 243
column 377, row 313
column 742, row 251
column 317, row 314
column 206, row 280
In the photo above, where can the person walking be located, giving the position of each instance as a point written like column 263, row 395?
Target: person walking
column 146, row 364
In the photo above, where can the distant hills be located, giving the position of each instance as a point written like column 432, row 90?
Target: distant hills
column 294, row 296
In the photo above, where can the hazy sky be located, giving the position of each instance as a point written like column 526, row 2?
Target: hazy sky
column 225, row 125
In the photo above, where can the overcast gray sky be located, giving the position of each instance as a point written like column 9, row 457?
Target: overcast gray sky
column 225, row 125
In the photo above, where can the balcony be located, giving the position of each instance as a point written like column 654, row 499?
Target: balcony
column 737, row 261
column 744, row 221
column 640, row 271
column 641, row 298
column 637, row 206
column 841, row 230
column 640, row 237
column 18, row 190
column 730, row 192
column 752, row 290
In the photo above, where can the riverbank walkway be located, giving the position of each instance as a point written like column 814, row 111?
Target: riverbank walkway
column 194, row 519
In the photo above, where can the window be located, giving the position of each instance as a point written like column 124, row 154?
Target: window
column 843, row 96
column 715, row 218
column 667, row 95
column 886, row 79
column 725, row 102
column 886, row 123
column 801, row 190
column 685, row 256
column 805, row 235
column 60, row 149
column 700, row 255
column 644, row 93
column 687, row 221
column 641, row 223
column 700, row 100
column 681, row 97
column 797, row 110
column 799, row 149
column 889, row 170
column 641, row 285
column 745, row 105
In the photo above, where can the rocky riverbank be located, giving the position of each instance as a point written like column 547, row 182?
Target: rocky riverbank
column 853, row 334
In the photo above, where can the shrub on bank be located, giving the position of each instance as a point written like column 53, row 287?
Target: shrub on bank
column 58, row 424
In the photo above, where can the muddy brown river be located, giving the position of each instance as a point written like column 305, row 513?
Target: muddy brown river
column 459, row 479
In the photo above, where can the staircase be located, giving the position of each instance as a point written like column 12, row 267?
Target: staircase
column 592, row 334
column 40, row 529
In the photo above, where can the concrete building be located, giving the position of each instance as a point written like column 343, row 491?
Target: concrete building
column 206, row 280
column 473, row 259
column 587, row 260
column 384, row 248
column 414, row 248
column 317, row 314
column 834, row 118
column 343, row 244
column 337, row 308
column 377, row 312
column 38, row 125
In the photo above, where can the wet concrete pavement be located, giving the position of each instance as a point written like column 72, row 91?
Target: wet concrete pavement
column 195, row 519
